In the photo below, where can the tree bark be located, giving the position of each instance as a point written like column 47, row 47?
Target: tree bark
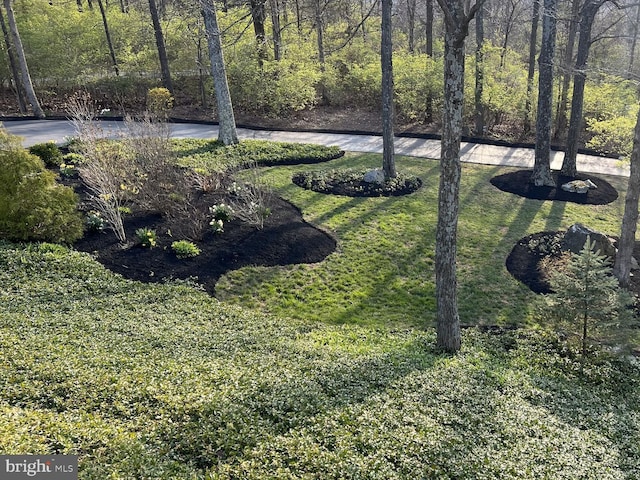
column 258, row 15
column 13, row 65
column 227, row 124
column 542, row 168
column 319, row 32
column 386, row 48
column 107, row 34
column 25, row 76
column 456, row 29
column 429, row 51
column 587, row 15
column 622, row 266
column 276, row 30
column 411, row 14
column 561, row 117
column 162, row 52
column 533, row 41
column 479, row 107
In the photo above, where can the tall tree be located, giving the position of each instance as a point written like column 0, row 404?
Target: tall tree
column 457, row 19
column 542, row 168
column 587, row 16
column 479, row 107
column 622, row 267
column 25, row 76
column 561, row 117
column 276, row 29
column 386, row 49
column 259, row 16
column 227, row 123
column 13, row 65
column 429, row 51
column 533, row 42
column 162, row 51
column 107, row 34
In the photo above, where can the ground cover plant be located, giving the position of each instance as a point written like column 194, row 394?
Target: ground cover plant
column 163, row 381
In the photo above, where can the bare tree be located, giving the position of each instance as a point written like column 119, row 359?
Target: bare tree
column 587, row 15
column 162, row 51
column 107, row 34
column 622, row 266
column 533, row 42
column 479, row 108
column 13, row 65
column 25, row 76
column 227, row 123
column 542, row 168
column 457, row 19
column 386, row 48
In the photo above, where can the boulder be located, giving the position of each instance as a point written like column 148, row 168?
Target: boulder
column 578, row 186
column 374, row 176
column 576, row 237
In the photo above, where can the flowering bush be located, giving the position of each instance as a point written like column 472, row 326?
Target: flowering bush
column 217, row 225
column 221, row 212
column 147, row 237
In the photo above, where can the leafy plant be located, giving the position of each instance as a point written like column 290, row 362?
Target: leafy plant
column 68, row 170
column 222, row 212
column 33, row 206
column 185, row 249
column 147, row 237
column 217, row 226
column 95, row 222
column 159, row 102
column 48, row 152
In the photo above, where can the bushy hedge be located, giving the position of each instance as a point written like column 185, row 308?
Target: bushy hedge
column 32, row 205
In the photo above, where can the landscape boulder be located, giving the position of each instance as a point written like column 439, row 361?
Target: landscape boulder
column 578, row 186
column 576, row 237
column 374, row 176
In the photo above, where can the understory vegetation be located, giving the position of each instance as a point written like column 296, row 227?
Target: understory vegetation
column 162, row 381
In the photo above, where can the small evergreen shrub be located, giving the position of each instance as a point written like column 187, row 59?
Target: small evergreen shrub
column 185, row 249
column 48, row 152
column 33, row 206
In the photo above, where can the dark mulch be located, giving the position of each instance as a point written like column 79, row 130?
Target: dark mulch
column 518, row 183
column 286, row 239
column 350, row 184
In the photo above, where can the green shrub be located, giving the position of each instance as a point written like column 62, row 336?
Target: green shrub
column 221, row 212
column 185, row 249
column 48, row 152
column 95, row 222
column 147, row 237
column 33, row 207
column 159, row 102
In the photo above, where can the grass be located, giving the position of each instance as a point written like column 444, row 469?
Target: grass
column 383, row 271
column 340, row 381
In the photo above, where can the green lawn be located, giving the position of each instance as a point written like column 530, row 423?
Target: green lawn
column 339, row 381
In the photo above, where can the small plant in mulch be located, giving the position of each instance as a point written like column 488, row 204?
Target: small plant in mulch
column 351, row 183
column 185, row 249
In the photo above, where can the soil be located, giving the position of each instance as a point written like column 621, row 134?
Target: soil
column 285, row 239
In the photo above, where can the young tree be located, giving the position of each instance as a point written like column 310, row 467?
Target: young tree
column 429, row 51
column 622, row 267
column 587, row 15
column 541, row 175
column 107, row 34
column 25, row 76
column 561, row 117
column 457, row 19
column 587, row 303
column 227, row 122
column 533, row 41
column 386, row 48
column 13, row 65
column 479, row 107
column 162, row 51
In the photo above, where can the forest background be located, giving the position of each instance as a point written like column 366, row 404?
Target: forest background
column 316, row 63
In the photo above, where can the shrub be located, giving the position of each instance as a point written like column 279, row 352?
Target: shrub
column 185, row 249
column 250, row 200
column 48, row 152
column 221, row 212
column 32, row 205
column 147, row 237
column 159, row 102
column 95, row 222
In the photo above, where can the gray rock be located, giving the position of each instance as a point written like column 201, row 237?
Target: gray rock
column 579, row 186
column 374, row 176
column 576, row 237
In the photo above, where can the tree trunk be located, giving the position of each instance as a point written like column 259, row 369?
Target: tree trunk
column 456, row 29
column 587, row 16
column 411, row 14
column 112, row 52
column 258, row 15
column 319, row 32
column 25, row 76
column 622, row 267
column 162, row 52
column 386, row 48
column 561, row 117
column 429, row 51
column 15, row 72
column 634, row 43
column 276, row 30
column 479, row 107
column 542, row 168
column 533, row 41
column 227, row 124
